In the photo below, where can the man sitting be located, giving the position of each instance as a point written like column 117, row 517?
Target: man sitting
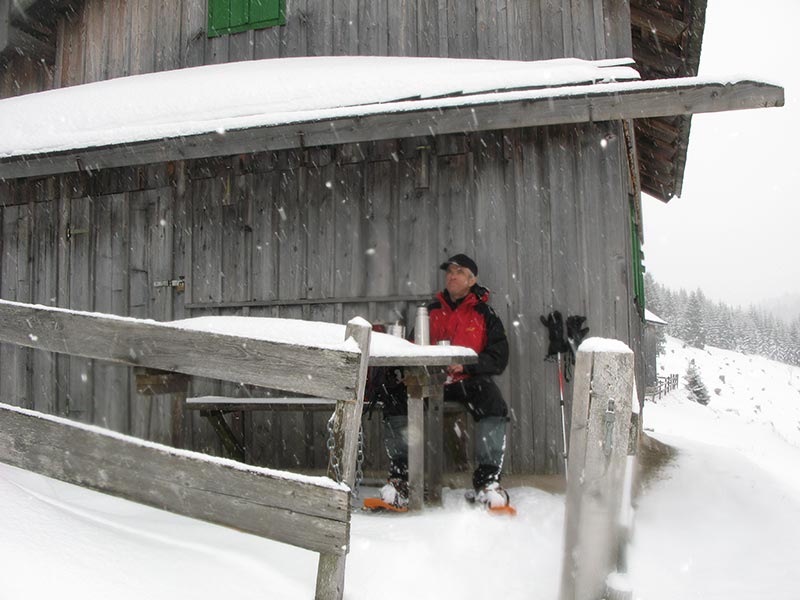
column 461, row 315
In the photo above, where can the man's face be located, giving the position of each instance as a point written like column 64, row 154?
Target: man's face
column 458, row 280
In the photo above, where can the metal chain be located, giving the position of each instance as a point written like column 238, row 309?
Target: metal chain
column 333, row 460
column 359, row 462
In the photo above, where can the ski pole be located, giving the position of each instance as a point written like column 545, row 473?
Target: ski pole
column 563, row 414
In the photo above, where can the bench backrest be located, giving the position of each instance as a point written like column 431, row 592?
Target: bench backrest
column 311, row 513
column 306, row 370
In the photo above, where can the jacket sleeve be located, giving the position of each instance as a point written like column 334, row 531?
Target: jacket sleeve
column 494, row 357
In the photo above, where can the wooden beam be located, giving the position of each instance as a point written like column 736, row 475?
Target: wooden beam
column 314, row 371
column 31, row 46
column 653, row 22
column 5, row 24
column 297, row 511
column 633, row 100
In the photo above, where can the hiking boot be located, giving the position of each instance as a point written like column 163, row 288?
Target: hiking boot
column 395, row 493
column 492, row 495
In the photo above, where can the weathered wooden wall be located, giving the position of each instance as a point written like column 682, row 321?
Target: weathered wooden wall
column 114, row 38
column 326, row 233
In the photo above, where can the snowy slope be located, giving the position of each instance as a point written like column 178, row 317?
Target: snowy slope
column 721, row 521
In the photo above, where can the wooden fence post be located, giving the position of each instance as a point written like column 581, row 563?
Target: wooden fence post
column 346, row 425
column 601, row 416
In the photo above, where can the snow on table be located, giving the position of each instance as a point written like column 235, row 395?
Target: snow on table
column 384, row 349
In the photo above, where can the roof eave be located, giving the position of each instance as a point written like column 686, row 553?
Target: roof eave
column 667, row 98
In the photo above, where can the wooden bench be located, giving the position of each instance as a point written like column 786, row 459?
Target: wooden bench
column 312, row 513
column 214, row 409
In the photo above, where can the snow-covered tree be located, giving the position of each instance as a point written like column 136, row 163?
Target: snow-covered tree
column 697, row 389
column 695, row 334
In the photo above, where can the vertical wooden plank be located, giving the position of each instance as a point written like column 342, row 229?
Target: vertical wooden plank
column 402, row 28
column 167, row 23
column 193, row 33
column 142, row 54
column 182, row 238
column 455, row 204
column 80, row 386
column 110, row 382
column 522, row 26
column 373, row 35
column 117, row 64
column 235, row 239
column 15, row 285
column 160, row 233
column 264, row 253
column 417, row 250
column 294, row 36
column 345, row 27
column 349, row 273
column 72, row 52
column 321, row 230
column 486, row 28
column 427, row 28
column 319, row 16
column 139, row 295
column 292, row 234
column 462, row 29
column 552, row 31
column 583, row 30
column 95, row 18
column 379, row 229
column 206, row 240
column 550, row 396
column 45, row 272
column 64, row 262
column 617, row 22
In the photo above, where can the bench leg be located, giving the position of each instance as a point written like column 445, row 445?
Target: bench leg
column 416, row 441
column 434, row 446
column 232, row 446
column 330, row 577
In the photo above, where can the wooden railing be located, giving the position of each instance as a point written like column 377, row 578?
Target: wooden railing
column 663, row 386
column 312, row 513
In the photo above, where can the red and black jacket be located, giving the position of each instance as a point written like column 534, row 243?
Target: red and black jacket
column 471, row 322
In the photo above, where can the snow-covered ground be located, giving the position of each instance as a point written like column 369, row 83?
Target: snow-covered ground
column 722, row 520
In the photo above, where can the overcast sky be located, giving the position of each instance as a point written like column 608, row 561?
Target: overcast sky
column 735, row 230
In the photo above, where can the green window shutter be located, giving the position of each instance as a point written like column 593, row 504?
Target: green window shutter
column 638, row 268
column 234, row 16
column 219, row 17
column 264, row 13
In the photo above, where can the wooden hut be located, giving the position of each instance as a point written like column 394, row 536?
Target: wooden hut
column 307, row 222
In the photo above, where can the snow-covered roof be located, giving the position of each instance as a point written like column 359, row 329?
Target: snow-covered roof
column 651, row 317
column 217, row 98
column 278, row 104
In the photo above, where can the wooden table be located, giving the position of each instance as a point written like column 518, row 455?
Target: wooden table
column 425, row 377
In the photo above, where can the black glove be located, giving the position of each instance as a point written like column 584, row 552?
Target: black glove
column 576, row 332
column 555, row 325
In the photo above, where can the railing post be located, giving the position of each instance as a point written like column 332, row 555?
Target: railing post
column 346, row 425
column 601, row 416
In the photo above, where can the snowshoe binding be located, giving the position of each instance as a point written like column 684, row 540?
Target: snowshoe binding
column 493, row 498
column 393, row 497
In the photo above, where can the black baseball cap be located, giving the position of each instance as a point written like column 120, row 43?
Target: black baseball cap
column 461, row 260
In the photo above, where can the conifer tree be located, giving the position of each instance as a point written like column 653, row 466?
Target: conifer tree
column 697, row 389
